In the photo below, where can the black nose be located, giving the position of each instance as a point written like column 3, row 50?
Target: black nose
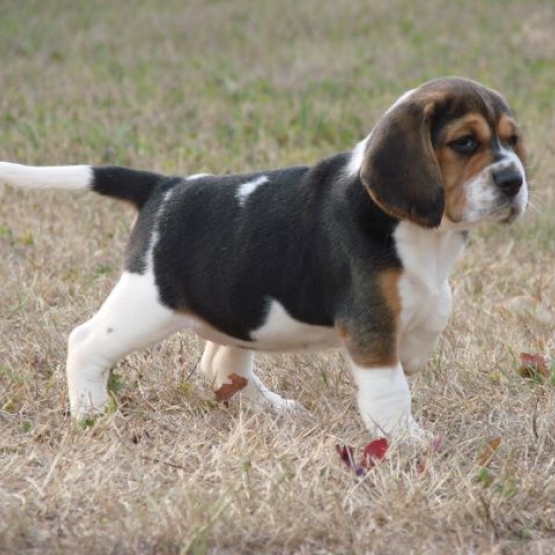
column 509, row 181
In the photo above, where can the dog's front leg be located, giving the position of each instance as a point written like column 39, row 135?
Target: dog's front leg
column 384, row 400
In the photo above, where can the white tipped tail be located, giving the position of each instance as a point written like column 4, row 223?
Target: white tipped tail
column 46, row 177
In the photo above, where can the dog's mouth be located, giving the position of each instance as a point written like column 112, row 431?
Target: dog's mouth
column 507, row 213
column 514, row 214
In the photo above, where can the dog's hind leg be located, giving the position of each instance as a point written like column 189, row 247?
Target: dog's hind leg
column 229, row 369
column 131, row 318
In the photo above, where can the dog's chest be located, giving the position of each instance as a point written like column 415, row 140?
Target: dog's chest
column 428, row 257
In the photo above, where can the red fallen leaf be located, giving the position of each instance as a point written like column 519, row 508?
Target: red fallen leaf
column 533, row 366
column 374, row 452
column 346, row 454
column 228, row 390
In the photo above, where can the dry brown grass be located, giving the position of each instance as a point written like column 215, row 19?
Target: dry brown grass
column 233, row 85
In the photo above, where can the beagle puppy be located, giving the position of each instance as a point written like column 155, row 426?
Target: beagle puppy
column 353, row 253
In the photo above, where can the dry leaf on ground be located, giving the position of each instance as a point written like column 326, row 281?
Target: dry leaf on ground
column 372, row 454
column 488, row 451
column 533, row 366
column 228, row 390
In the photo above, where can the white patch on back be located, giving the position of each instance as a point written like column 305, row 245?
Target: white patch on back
column 246, row 189
column 46, row 177
column 155, row 235
column 197, row 176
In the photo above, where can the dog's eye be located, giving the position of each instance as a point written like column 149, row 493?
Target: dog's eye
column 466, row 144
column 512, row 141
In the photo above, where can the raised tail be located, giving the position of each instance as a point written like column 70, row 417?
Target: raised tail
column 121, row 183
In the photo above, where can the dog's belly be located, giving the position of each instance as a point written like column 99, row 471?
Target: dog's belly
column 280, row 332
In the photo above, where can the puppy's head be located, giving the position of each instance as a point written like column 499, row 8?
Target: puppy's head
column 447, row 152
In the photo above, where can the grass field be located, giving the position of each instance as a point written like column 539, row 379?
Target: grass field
column 186, row 87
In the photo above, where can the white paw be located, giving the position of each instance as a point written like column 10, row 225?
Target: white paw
column 414, row 435
column 88, row 402
column 399, row 426
column 262, row 398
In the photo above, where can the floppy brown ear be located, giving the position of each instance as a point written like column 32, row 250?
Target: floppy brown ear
column 400, row 169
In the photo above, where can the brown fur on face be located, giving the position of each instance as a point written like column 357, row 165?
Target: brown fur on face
column 457, row 169
column 409, row 169
column 509, row 133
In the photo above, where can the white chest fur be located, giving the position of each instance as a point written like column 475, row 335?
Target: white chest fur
column 428, row 256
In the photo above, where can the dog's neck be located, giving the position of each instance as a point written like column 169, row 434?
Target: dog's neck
column 428, row 255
